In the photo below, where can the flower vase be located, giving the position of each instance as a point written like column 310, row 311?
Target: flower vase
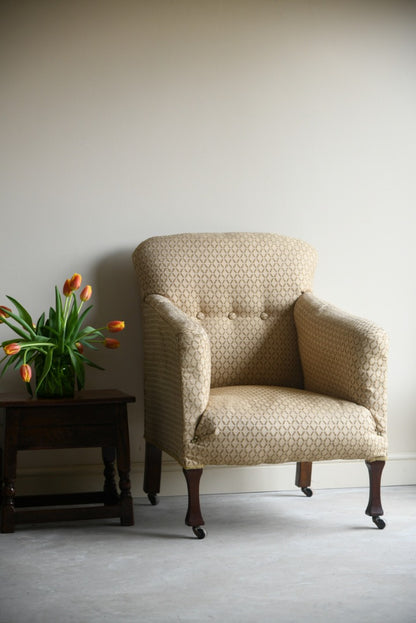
column 59, row 381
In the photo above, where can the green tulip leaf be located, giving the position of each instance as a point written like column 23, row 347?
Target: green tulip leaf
column 46, row 367
column 72, row 334
column 23, row 313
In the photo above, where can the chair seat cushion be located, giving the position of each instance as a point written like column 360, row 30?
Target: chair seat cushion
column 252, row 424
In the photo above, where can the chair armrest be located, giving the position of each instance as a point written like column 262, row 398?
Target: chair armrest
column 343, row 356
column 177, row 374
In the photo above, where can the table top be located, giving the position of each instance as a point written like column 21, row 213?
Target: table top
column 90, row 396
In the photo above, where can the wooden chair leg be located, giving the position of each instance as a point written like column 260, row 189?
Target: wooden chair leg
column 303, row 477
column 152, row 472
column 374, row 508
column 193, row 515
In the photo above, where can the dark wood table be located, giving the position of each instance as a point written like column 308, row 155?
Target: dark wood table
column 91, row 419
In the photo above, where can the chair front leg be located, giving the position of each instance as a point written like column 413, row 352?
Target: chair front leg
column 374, row 508
column 193, row 516
column 152, row 472
column 303, row 477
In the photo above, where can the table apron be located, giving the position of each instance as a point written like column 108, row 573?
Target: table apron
column 57, row 440
column 66, row 428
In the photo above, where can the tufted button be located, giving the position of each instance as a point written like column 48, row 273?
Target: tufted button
column 232, row 316
column 200, row 315
column 264, row 315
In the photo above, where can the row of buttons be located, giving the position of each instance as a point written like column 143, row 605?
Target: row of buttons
column 232, row 315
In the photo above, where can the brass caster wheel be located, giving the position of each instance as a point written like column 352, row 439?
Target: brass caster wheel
column 307, row 491
column 379, row 523
column 199, row 532
column 153, row 499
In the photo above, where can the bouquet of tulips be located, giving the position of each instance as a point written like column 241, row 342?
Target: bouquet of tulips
column 58, row 340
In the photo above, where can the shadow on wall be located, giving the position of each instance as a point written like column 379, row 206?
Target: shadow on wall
column 116, row 297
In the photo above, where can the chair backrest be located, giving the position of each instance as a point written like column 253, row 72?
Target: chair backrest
column 242, row 288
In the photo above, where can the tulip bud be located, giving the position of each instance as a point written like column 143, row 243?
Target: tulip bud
column 26, row 372
column 86, row 293
column 4, row 312
column 79, row 347
column 12, row 349
column 111, row 343
column 75, row 281
column 67, row 288
column 115, row 326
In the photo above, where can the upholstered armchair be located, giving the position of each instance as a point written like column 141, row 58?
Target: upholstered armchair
column 244, row 365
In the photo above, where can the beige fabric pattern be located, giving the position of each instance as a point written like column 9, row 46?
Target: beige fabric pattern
column 244, row 365
column 177, row 375
column 343, row 356
column 242, row 288
column 249, row 425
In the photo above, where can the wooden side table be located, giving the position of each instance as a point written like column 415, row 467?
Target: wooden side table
column 91, row 419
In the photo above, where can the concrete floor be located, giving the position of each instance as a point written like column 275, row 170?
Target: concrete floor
column 268, row 557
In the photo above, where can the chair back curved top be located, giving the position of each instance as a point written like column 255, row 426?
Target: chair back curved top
column 242, row 288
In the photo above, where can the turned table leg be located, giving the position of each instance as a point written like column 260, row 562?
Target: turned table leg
column 123, row 466
column 110, row 489
column 7, row 507
column 9, row 463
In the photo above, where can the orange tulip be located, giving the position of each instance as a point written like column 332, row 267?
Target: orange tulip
column 115, row 326
column 4, row 312
column 80, row 347
column 67, row 288
column 111, row 343
column 75, row 281
column 86, row 293
column 12, row 349
column 26, row 372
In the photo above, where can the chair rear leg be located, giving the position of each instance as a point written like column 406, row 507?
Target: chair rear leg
column 193, row 516
column 374, row 508
column 303, row 477
column 152, row 472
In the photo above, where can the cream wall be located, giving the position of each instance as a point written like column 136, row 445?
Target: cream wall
column 125, row 119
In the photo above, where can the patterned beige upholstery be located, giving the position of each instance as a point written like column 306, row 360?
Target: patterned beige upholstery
column 244, row 365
